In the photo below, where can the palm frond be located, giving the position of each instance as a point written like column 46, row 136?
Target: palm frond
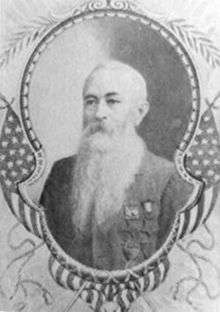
column 196, row 40
column 26, row 35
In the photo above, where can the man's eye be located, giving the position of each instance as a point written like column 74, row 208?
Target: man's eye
column 90, row 102
column 113, row 101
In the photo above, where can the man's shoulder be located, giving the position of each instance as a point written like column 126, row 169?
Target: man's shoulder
column 61, row 172
column 170, row 184
column 65, row 162
column 162, row 175
column 157, row 161
column 59, row 178
column 156, row 167
column 63, row 165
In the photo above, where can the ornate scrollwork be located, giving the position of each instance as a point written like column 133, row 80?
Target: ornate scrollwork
column 94, row 5
column 121, row 5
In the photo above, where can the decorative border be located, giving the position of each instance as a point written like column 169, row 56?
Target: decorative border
column 68, row 272
column 99, row 10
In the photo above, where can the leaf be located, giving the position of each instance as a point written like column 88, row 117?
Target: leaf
column 197, row 41
column 181, row 33
column 19, row 306
column 25, row 36
column 195, row 44
column 192, row 43
column 178, row 20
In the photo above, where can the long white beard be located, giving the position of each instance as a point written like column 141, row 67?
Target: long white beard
column 104, row 169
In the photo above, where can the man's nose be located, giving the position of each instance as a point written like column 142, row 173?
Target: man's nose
column 102, row 110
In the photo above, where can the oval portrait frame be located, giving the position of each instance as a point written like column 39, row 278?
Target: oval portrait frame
column 120, row 9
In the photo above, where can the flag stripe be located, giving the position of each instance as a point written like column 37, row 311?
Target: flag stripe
column 151, row 281
column 181, row 224
column 39, row 226
column 161, row 267
column 27, row 217
column 35, row 220
column 90, row 297
column 22, row 214
column 140, row 284
column 146, row 282
column 192, row 220
column 58, row 276
column 186, row 215
column 15, row 206
column 64, row 278
column 157, row 277
column 98, row 301
column 166, row 264
column 200, row 212
column 130, row 296
column 53, row 265
column 9, row 202
column 121, row 302
column 106, row 290
column 84, row 295
column 209, row 199
column 70, row 281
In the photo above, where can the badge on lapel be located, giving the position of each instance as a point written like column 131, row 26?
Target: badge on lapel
column 149, row 209
column 148, row 206
column 131, row 212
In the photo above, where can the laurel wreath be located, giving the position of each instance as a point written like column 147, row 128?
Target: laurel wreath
column 188, row 34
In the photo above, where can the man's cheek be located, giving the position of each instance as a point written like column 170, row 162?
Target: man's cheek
column 88, row 118
column 121, row 113
column 121, row 119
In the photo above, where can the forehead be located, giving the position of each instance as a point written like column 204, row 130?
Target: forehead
column 104, row 81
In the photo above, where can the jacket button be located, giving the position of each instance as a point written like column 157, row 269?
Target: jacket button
column 148, row 206
column 131, row 250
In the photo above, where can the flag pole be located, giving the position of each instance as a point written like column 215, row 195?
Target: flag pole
column 75, row 298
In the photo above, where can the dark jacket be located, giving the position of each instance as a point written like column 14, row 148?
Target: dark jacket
column 140, row 227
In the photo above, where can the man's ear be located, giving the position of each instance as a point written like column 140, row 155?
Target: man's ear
column 143, row 109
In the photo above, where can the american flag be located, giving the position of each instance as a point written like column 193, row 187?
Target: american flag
column 203, row 158
column 17, row 160
column 17, row 163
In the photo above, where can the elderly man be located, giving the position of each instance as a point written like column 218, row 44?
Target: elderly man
column 112, row 205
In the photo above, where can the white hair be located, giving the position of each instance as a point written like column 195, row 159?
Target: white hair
column 136, row 80
column 100, row 181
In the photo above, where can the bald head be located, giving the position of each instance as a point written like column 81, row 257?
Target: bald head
column 115, row 94
column 124, row 75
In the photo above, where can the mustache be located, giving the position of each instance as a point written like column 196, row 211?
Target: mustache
column 97, row 126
